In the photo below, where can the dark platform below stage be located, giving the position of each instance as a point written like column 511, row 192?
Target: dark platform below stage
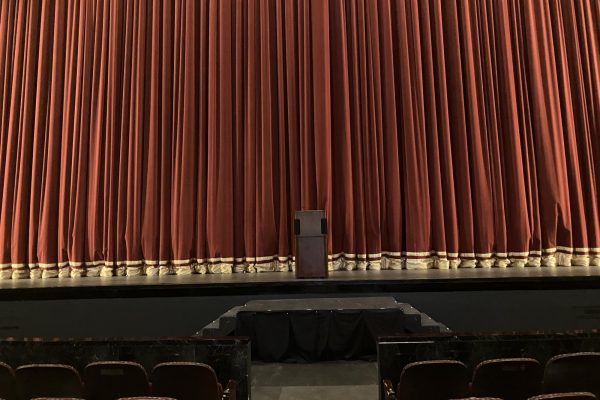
column 414, row 320
column 274, row 283
column 321, row 329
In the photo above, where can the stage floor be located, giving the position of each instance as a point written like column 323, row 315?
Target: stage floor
column 386, row 281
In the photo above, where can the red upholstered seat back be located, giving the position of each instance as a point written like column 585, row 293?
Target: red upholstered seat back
column 185, row 381
column 110, row 380
column 147, row 398
column 48, row 380
column 576, row 372
column 508, row 378
column 7, row 382
column 565, row 396
column 433, row 380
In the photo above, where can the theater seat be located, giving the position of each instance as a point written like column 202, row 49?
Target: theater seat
column 48, row 380
column 186, row 381
column 575, row 372
column 146, row 398
column 7, row 382
column 433, row 380
column 56, row 398
column 110, row 380
column 565, row 396
column 507, row 378
column 479, row 398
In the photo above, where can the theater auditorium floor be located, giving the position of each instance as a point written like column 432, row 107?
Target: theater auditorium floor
column 348, row 380
column 386, row 281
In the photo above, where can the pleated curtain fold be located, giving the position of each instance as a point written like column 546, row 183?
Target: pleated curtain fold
column 179, row 136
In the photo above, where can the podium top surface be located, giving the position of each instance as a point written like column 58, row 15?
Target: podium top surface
column 310, row 223
column 310, row 214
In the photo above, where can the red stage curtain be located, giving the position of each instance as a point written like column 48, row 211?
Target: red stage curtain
column 180, row 136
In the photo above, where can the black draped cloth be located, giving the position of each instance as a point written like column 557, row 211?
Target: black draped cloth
column 318, row 335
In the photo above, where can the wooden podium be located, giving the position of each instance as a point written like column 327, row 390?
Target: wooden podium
column 310, row 228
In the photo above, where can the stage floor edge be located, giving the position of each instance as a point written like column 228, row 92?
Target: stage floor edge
column 274, row 283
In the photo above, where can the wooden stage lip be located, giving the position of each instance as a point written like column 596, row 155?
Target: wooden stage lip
column 276, row 283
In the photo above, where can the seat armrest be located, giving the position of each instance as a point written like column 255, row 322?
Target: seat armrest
column 229, row 392
column 388, row 390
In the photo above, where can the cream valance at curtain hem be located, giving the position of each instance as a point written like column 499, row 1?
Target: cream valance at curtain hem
column 553, row 257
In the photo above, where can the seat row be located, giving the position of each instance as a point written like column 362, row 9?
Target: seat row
column 507, row 379
column 111, row 380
